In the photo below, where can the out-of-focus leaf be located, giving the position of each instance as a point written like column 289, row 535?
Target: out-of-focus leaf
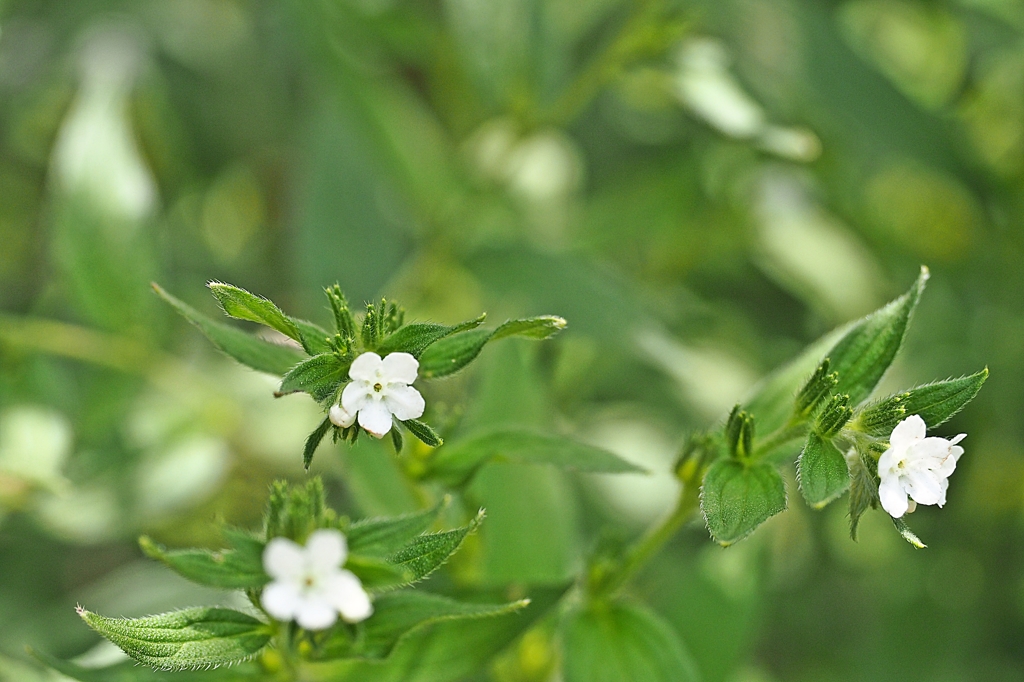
column 242, row 305
column 617, row 642
column 398, row 614
column 130, row 671
column 424, row 432
column 415, row 338
column 189, row 639
column 738, row 497
column 456, row 463
column 449, row 355
column 313, row 441
column 240, row 567
column 246, row 348
column 318, row 376
column 935, row 403
column 821, row 471
column 378, row 575
column 383, row 536
column 426, row 553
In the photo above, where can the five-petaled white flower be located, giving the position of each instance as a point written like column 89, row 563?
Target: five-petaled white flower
column 916, row 466
column 379, row 389
column 309, row 585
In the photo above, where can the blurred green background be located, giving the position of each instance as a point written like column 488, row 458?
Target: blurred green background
column 700, row 188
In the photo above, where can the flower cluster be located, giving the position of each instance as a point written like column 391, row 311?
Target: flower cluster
column 915, row 469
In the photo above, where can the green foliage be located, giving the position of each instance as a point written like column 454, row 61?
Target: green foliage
column 863, row 490
column 133, row 672
column 833, row 415
column 822, row 471
column 416, row 338
column 456, row 463
column 426, row 553
column 739, row 433
column 616, row 642
column 424, row 432
column 817, row 387
column 451, row 354
column 738, row 497
column 935, row 403
column 185, row 640
column 241, row 305
column 240, row 567
column 319, row 376
column 383, row 536
column 245, row 348
column 313, row 441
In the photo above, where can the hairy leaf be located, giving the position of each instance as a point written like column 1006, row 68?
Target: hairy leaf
column 935, row 403
column 318, row 376
column 245, row 348
column 863, row 490
column 620, row 642
column 423, row 432
column 822, row 471
column 238, row 568
column 736, row 498
column 130, row 671
column 242, row 305
column 908, row 534
column 451, row 354
column 378, row 575
column 313, row 441
column 456, row 463
column 415, row 338
column 383, row 536
column 189, row 639
column 426, row 553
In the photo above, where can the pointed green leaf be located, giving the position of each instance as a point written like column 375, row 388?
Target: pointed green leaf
column 398, row 614
column 242, row 305
column 908, row 534
column 935, row 403
column 314, row 338
column 184, row 640
column 426, row 553
column 380, row 537
column 130, row 671
column 865, row 352
column 618, row 642
column 313, row 442
column 245, row 348
column 736, row 498
column 415, row 338
column 378, row 575
column 424, row 432
column 863, row 490
column 822, row 471
column 457, row 462
column 451, row 354
column 238, row 568
column 319, row 376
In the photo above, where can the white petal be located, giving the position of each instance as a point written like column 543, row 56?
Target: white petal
column 957, row 438
column 347, row 595
column 326, row 550
column 887, row 463
column 375, row 418
column 282, row 600
column 366, row 367
column 892, row 497
column 356, row 396
column 405, row 402
column 908, row 432
column 316, row 614
column 400, row 367
column 341, row 417
column 924, row 487
column 284, row 560
column 948, row 465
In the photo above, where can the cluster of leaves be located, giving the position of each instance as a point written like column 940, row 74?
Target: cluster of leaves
column 842, row 431
column 387, row 554
column 318, row 361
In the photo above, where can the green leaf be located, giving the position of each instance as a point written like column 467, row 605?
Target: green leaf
column 935, row 403
column 398, row 614
column 619, row 642
column 189, row 639
column 457, row 462
column 736, row 498
column 313, row 442
column 424, row 432
column 908, row 534
column 378, row 575
column 822, row 471
column 863, row 490
column 415, row 338
column 318, row 376
column 383, row 536
column 426, row 553
column 129, row 671
column 451, row 354
column 314, row 338
column 238, row 568
column 245, row 348
column 863, row 355
column 242, row 305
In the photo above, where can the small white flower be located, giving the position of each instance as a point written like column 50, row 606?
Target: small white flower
column 379, row 389
column 916, row 466
column 309, row 585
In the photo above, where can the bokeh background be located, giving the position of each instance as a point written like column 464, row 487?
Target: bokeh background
column 700, row 188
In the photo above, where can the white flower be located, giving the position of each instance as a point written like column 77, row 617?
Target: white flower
column 378, row 390
column 916, row 466
column 309, row 585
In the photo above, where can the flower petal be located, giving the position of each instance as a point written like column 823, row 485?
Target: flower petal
column 284, row 560
column 341, row 417
column 925, row 486
column 356, row 396
column 366, row 367
column 400, row 367
column 326, row 550
column 316, row 614
column 282, row 600
column 892, row 497
column 375, row 418
column 887, row 463
column 948, row 465
column 405, row 402
column 346, row 594
column 908, row 432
